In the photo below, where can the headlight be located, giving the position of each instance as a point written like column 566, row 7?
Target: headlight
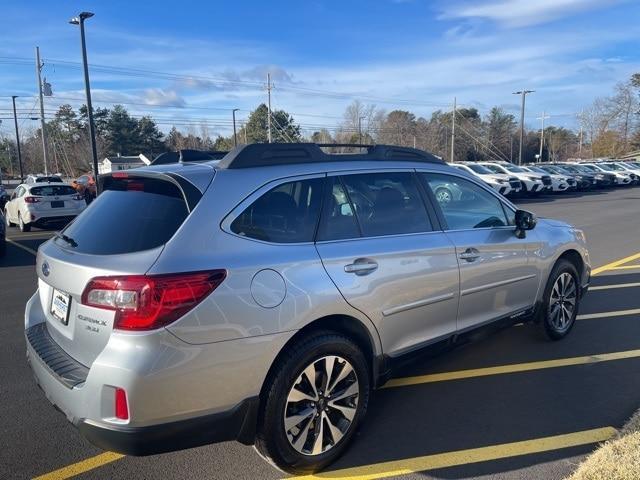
column 535, row 179
column 580, row 235
column 599, row 176
column 499, row 180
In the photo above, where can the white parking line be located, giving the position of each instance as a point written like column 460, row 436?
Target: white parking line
column 19, row 245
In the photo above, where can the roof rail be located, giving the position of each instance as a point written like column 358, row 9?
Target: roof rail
column 270, row 154
column 182, row 156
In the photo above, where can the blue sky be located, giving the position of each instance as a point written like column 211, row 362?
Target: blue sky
column 196, row 60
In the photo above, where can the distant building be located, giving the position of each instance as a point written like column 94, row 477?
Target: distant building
column 631, row 156
column 113, row 164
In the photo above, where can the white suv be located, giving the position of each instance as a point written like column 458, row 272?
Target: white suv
column 500, row 183
column 42, row 203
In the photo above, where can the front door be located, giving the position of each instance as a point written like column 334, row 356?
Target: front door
column 498, row 276
column 377, row 244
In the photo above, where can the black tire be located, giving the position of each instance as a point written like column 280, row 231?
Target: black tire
column 272, row 441
column 6, row 219
column 550, row 327
column 24, row 227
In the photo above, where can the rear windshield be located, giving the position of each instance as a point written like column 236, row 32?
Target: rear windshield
column 130, row 216
column 52, row 190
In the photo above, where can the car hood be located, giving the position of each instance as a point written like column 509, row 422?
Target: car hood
column 552, row 222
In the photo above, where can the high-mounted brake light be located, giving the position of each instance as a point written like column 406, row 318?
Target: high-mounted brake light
column 31, row 199
column 119, row 175
column 144, row 302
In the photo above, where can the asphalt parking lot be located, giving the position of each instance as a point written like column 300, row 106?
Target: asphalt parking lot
column 508, row 406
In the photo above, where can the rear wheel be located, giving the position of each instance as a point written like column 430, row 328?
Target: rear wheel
column 7, row 222
column 316, row 400
column 24, row 227
column 561, row 300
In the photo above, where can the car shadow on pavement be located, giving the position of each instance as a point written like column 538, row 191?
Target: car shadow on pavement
column 551, row 197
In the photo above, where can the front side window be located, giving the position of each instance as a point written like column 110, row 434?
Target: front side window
column 387, row 203
column 464, row 204
column 287, row 213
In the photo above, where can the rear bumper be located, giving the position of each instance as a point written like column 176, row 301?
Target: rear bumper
column 237, row 423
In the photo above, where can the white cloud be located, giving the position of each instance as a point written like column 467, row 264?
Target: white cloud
column 519, row 13
column 165, row 98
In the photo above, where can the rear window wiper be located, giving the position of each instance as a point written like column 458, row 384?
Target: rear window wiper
column 67, row 239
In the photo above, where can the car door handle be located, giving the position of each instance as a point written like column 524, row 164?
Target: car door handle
column 470, row 255
column 361, row 267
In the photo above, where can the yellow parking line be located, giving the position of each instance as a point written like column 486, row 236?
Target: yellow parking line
column 81, row 467
column 625, row 267
column 616, row 313
column 614, row 264
column 463, row 457
column 607, row 287
column 513, row 368
column 19, row 245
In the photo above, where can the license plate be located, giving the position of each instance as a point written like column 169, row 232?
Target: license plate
column 57, row 204
column 60, row 306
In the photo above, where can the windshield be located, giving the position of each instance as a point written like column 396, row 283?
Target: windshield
column 614, row 167
column 593, row 168
column 480, row 169
column 538, row 170
column 495, row 168
column 513, row 168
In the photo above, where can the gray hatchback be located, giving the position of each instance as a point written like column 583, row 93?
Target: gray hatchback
column 261, row 297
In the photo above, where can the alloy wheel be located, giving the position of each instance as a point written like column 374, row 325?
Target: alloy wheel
column 562, row 302
column 321, row 405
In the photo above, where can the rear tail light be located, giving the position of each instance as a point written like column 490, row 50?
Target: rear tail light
column 77, row 197
column 121, row 406
column 31, row 199
column 144, row 302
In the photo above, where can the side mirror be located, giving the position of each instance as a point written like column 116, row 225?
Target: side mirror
column 524, row 221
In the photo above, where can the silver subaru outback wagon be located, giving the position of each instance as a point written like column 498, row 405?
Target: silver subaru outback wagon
column 261, row 297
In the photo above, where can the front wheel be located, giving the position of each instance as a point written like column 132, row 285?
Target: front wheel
column 316, row 400
column 561, row 300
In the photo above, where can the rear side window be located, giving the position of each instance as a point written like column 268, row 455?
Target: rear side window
column 338, row 218
column 53, row 190
column 287, row 213
column 387, row 203
column 130, row 216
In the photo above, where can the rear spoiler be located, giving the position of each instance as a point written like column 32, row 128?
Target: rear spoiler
column 190, row 192
column 185, row 156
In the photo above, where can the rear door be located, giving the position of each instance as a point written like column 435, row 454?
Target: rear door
column 497, row 276
column 381, row 247
column 122, row 233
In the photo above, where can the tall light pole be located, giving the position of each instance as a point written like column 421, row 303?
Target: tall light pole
column 524, row 94
column 453, row 131
column 79, row 20
column 235, row 137
column 544, row 116
column 42, row 123
column 15, row 121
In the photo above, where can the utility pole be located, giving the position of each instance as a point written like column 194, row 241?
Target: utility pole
column 524, row 94
column 360, row 130
column 42, row 125
column 79, row 20
column 269, row 107
column 453, row 131
column 15, row 121
column 235, row 136
column 580, row 144
column 544, row 116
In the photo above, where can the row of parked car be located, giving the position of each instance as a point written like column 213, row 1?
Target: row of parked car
column 509, row 179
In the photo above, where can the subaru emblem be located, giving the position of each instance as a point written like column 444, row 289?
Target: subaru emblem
column 45, row 269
